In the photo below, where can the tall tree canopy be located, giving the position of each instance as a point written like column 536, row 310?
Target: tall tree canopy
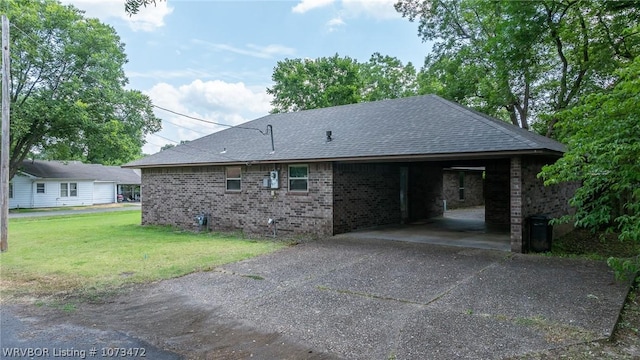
column 68, row 99
column 302, row 84
column 523, row 60
column 385, row 77
column 603, row 134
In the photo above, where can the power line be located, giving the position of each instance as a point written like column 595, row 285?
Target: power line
column 189, row 144
column 185, row 127
column 160, row 136
column 209, row 121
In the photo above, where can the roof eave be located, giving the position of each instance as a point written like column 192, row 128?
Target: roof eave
column 484, row 155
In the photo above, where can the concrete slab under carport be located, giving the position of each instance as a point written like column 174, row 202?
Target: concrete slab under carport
column 464, row 227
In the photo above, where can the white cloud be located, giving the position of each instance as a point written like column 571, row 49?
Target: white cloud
column 350, row 9
column 306, row 5
column 377, row 9
column 334, row 23
column 148, row 18
column 214, row 101
column 262, row 52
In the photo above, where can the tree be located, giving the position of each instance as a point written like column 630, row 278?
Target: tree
column 384, row 77
column 132, row 7
column 523, row 61
column 302, row 84
column 167, row 147
column 68, row 99
column 603, row 152
column 170, row 146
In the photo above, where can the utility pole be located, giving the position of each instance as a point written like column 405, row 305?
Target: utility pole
column 4, row 152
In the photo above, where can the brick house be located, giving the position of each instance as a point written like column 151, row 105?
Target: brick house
column 350, row 167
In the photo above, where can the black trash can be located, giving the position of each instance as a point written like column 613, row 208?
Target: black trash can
column 540, row 233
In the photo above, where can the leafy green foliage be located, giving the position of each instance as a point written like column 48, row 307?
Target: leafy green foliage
column 302, row 84
column 68, row 99
column 523, row 61
column 603, row 150
column 132, row 7
column 385, row 77
column 309, row 84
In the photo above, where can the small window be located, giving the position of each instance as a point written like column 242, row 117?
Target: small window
column 10, row 190
column 64, row 189
column 68, row 189
column 461, row 186
column 40, row 188
column 298, row 178
column 234, row 178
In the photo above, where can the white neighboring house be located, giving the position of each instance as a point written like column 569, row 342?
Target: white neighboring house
column 40, row 183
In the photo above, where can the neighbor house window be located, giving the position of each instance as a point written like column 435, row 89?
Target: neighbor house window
column 461, row 186
column 10, row 190
column 298, row 177
column 68, row 189
column 234, row 178
column 40, row 188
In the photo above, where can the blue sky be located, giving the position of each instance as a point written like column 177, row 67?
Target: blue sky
column 214, row 59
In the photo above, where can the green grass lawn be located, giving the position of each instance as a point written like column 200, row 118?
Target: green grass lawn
column 99, row 252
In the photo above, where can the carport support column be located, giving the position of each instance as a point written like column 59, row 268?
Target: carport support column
column 517, row 224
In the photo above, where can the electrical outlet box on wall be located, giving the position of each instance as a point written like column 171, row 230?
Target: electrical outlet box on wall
column 274, row 179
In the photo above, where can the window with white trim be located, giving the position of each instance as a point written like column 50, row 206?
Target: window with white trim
column 68, row 189
column 234, row 178
column 10, row 190
column 39, row 188
column 299, row 178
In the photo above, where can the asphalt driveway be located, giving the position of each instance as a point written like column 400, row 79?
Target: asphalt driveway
column 367, row 299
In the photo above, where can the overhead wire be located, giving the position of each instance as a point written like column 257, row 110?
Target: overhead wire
column 185, row 127
column 209, row 121
column 189, row 144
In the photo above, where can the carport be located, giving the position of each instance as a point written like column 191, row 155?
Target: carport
column 403, row 200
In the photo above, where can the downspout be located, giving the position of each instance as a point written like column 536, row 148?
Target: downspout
column 32, row 197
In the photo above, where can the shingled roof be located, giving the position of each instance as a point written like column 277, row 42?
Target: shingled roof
column 419, row 127
column 75, row 170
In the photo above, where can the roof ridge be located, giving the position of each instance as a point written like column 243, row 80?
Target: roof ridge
column 487, row 120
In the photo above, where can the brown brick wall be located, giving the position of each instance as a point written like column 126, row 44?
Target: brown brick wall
column 174, row 196
column 473, row 188
column 530, row 197
column 425, row 192
column 365, row 195
column 548, row 200
column 497, row 193
column 517, row 222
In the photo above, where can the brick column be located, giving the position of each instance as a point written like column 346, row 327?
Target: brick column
column 517, row 223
